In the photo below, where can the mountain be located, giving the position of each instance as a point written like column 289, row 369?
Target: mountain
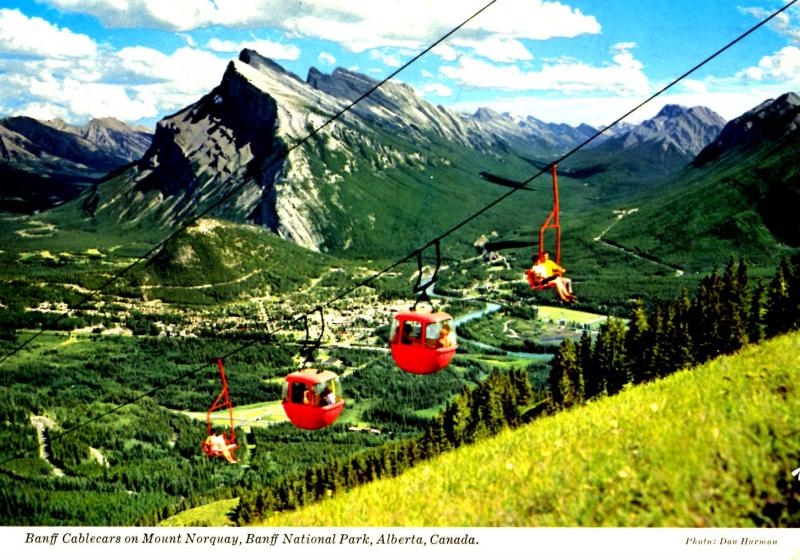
column 394, row 162
column 530, row 136
column 732, row 199
column 769, row 122
column 642, row 153
column 43, row 164
column 684, row 130
column 111, row 136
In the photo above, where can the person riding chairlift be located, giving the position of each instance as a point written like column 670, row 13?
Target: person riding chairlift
column 219, row 446
column 547, row 273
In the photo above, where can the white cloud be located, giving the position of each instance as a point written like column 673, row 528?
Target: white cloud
column 445, row 52
column 326, row 58
column 219, row 45
column 783, row 65
column 175, row 16
column 784, row 23
column 426, row 74
column 390, row 60
column 439, row 90
column 693, row 86
column 20, row 34
column 134, row 83
column 190, row 42
column 355, row 24
column 264, row 47
column 624, row 76
column 497, row 49
column 621, row 47
column 44, row 111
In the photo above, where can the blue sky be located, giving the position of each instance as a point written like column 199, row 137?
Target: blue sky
column 578, row 61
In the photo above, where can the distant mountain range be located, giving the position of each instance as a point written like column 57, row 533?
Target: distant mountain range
column 229, row 138
column 640, row 155
column 43, row 164
column 394, row 160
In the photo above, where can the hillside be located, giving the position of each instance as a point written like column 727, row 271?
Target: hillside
column 708, row 447
column 731, row 200
column 43, row 164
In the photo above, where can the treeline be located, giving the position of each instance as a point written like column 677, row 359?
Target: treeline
column 496, row 403
column 725, row 314
column 147, row 460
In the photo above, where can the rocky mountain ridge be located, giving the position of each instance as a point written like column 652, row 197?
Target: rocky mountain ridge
column 43, row 164
column 769, row 121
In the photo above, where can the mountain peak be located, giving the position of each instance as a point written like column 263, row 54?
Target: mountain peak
column 767, row 122
column 342, row 83
column 486, row 114
column 259, row 62
column 671, row 111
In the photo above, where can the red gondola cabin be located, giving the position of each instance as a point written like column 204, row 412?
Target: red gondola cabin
column 423, row 343
column 311, row 398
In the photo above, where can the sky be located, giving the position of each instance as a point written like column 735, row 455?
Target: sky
column 567, row 61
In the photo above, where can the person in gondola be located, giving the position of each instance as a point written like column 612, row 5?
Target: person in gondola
column 327, row 397
column 547, row 273
column 219, row 446
column 446, row 337
column 406, row 337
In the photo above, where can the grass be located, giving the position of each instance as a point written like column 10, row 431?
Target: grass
column 708, row 447
column 547, row 313
column 215, row 514
column 255, row 414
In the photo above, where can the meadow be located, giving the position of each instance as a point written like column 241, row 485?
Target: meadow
column 713, row 446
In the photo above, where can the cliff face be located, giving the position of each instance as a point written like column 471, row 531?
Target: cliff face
column 238, row 137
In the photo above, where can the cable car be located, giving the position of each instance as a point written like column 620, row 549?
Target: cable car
column 423, row 343
column 312, row 398
column 221, row 444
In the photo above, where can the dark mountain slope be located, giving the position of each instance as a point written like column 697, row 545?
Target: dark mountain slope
column 45, row 164
column 737, row 197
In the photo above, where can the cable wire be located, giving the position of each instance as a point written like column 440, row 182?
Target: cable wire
column 276, row 158
column 433, row 241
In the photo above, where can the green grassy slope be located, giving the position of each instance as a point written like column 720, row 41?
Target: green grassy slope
column 713, row 446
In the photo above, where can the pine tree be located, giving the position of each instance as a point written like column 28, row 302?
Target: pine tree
column 593, row 384
column 679, row 346
column 793, row 279
column 636, row 344
column 563, row 369
column 732, row 322
column 656, row 342
column 778, row 317
column 754, row 328
column 522, row 389
column 609, row 356
column 455, row 419
column 706, row 316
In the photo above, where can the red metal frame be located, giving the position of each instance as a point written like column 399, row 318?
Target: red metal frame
column 223, row 401
column 552, row 222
